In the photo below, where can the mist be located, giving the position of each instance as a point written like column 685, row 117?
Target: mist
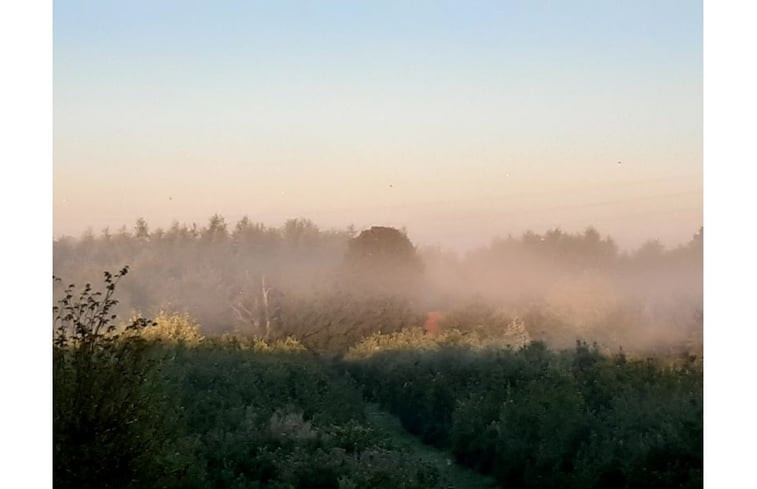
column 332, row 287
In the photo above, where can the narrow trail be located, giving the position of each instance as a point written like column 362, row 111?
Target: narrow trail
column 452, row 475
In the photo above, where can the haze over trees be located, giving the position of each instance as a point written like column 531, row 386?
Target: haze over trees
column 278, row 357
column 332, row 287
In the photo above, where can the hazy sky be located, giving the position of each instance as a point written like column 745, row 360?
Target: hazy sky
column 458, row 120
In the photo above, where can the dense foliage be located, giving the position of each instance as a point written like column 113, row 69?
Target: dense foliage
column 536, row 418
column 261, row 415
column 158, row 404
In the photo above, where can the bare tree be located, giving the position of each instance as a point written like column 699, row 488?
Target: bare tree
column 254, row 309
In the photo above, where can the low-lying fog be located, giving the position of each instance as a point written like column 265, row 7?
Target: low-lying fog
column 300, row 280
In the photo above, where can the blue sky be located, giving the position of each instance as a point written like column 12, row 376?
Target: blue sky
column 484, row 117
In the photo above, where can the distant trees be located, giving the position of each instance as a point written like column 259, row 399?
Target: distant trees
column 334, row 279
column 650, row 250
column 200, row 269
column 216, row 229
column 383, row 259
column 380, row 271
column 562, row 249
column 300, row 232
column 141, row 229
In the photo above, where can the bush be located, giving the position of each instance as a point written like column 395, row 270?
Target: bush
column 108, row 425
column 173, row 329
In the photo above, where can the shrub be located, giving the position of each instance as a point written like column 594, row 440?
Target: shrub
column 108, row 426
column 173, row 329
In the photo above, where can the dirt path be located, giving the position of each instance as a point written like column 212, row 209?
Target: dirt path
column 453, row 476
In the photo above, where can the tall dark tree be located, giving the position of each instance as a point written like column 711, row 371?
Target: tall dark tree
column 383, row 259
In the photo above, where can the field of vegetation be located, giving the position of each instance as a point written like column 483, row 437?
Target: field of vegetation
column 155, row 404
column 158, row 403
column 535, row 418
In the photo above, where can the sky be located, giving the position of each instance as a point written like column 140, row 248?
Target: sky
column 459, row 121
